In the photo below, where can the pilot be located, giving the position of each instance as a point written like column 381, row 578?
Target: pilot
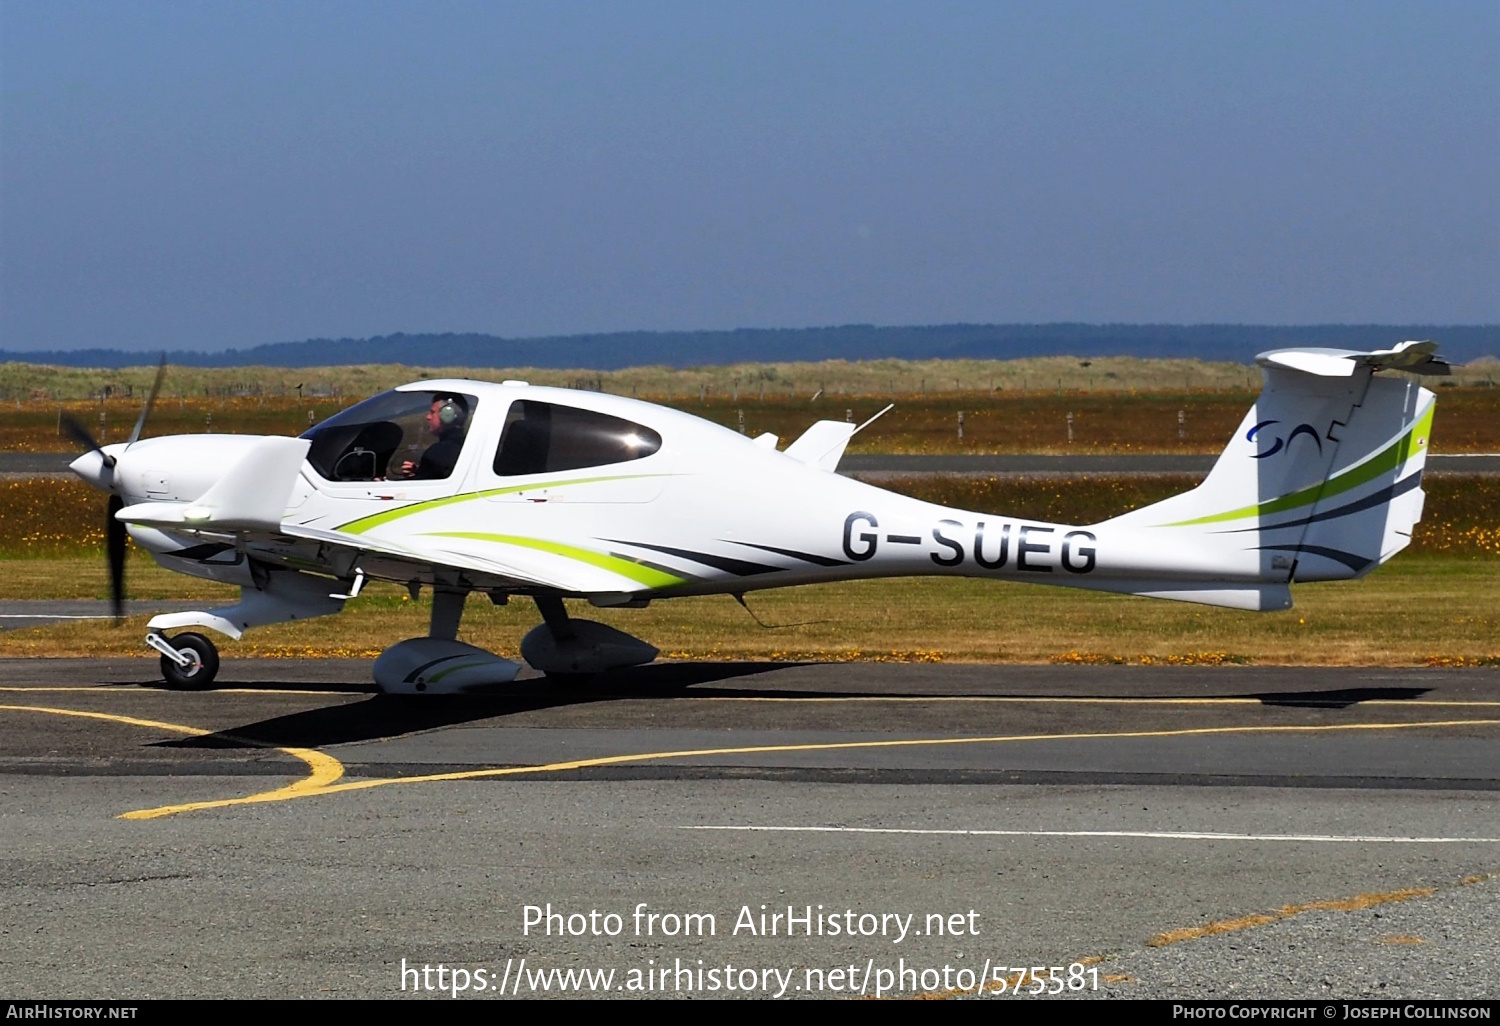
column 446, row 420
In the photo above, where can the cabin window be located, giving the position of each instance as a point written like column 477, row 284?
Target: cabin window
column 396, row 435
column 543, row 438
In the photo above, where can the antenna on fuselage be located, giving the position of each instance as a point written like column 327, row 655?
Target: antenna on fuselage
column 739, row 596
column 889, row 407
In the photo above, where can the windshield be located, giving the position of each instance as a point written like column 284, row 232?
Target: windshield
column 391, row 436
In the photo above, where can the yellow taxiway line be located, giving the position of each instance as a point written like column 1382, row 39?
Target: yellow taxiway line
column 326, row 771
column 1246, row 922
column 323, row 769
column 618, row 760
column 1313, row 699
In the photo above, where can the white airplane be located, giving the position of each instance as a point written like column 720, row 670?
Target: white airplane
column 518, row 490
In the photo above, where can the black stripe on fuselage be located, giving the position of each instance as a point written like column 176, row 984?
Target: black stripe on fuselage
column 806, row 557
column 738, row 567
column 651, row 564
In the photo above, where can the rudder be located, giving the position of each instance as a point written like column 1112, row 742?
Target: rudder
column 1322, row 480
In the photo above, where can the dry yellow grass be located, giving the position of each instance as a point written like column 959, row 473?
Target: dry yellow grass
column 47, row 518
column 1442, row 610
column 1138, row 417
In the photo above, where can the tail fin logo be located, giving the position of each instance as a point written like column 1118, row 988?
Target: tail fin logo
column 1300, row 429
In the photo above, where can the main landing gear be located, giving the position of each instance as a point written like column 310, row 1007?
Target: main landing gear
column 567, row 650
column 189, row 662
column 570, row 651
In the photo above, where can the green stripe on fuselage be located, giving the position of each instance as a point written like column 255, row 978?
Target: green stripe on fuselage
column 648, row 576
column 364, row 524
column 1388, row 459
column 437, row 678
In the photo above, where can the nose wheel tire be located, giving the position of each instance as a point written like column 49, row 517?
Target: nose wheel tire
column 202, row 667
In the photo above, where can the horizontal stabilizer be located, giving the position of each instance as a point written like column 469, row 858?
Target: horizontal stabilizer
column 1415, row 357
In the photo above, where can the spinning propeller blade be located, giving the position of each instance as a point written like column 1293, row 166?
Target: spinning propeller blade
column 114, row 531
column 140, row 422
column 114, row 543
column 80, row 434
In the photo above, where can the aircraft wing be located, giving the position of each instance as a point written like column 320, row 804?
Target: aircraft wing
column 248, row 501
column 338, row 553
column 519, row 566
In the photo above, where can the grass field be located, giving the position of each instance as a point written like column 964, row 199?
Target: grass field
column 1164, row 411
column 47, row 517
column 1432, row 610
column 1437, row 603
column 23, row 381
column 28, row 381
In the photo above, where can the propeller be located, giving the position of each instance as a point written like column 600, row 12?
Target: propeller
column 114, row 531
column 140, row 422
column 80, row 434
column 114, row 547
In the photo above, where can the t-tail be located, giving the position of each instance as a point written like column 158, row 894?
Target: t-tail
column 1322, row 480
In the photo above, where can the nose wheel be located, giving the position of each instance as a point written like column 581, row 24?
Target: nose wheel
column 189, row 662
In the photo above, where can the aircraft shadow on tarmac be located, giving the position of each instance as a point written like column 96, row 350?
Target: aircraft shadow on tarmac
column 1337, row 698
column 386, row 716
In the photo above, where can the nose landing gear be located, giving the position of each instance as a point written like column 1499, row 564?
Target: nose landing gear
column 189, row 662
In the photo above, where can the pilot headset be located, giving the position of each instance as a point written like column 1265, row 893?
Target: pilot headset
column 450, row 413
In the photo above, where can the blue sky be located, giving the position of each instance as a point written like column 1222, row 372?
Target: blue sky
column 188, row 175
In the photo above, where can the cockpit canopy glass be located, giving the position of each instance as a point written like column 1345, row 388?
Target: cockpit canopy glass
column 542, row 438
column 391, row 436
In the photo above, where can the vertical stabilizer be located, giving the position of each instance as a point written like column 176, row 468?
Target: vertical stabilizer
column 1322, row 479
